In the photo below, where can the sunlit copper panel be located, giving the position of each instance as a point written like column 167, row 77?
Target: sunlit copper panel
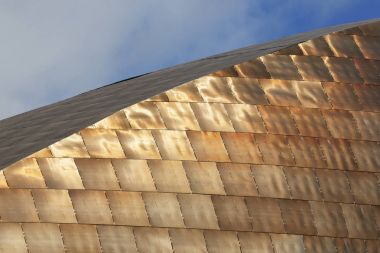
column 268, row 149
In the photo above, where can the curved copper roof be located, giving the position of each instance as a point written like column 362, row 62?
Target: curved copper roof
column 271, row 149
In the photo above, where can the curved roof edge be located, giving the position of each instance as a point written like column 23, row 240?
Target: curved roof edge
column 26, row 133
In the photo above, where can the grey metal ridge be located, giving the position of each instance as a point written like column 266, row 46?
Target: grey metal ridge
column 28, row 132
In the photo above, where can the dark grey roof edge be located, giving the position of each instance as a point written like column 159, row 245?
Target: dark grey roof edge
column 26, row 133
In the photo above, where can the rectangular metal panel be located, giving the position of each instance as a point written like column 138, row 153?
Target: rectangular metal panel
column 311, row 94
column 278, row 120
column 306, row 151
column 22, row 210
column 97, row 174
column 152, row 240
column 271, row 181
column 274, row 149
column 255, row 242
column 3, row 182
column 280, row 92
column 117, row 239
column 60, row 173
column 337, row 154
column 144, row 115
column 91, row 207
column 12, row 238
column 317, row 244
column 188, row 241
column 163, row 209
column 138, row 144
column 328, row 219
column 254, row 68
column 368, row 124
column 118, row 120
column 341, row 124
column 303, row 183
column 297, row 217
column 208, row 146
column 133, row 175
column 312, row 68
column 350, row 245
column 215, row 89
column 281, row 67
column 212, row 117
column 288, row 243
column 178, row 116
column 232, row 213
column 369, row 46
column 245, row 118
column 204, row 177
column 198, row 211
column 241, row 147
column 173, row 145
column 248, row 91
column 72, row 146
column 127, row 208
column 310, row 122
column 367, row 155
column 360, row 221
column 80, row 238
column 365, row 187
column 102, row 143
column 317, row 46
column 187, row 92
column 237, row 179
column 169, row 176
column 342, row 96
column 54, row 206
column 369, row 70
column 369, row 96
column 343, row 70
column 343, row 46
column 43, row 238
column 266, row 214
column 24, row 174
column 334, row 185
column 221, row 242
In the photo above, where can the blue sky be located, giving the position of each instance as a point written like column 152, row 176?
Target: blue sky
column 51, row 50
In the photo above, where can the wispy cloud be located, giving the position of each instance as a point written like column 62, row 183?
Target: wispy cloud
column 51, row 50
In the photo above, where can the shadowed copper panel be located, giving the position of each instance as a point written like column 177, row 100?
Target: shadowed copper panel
column 281, row 67
column 343, row 70
column 317, row 46
column 337, row 154
column 254, row 68
column 274, row 149
column 302, row 183
column 271, row 181
column 367, row 155
column 365, row 187
column 342, row 96
column 370, row 47
column 369, row 95
column 343, row 46
column 369, row 70
column 266, row 215
column 334, row 185
column 248, row 91
column 278, row 120
column 310, row 122
column 368, row 124
column 312, row 68
column 306, row 152
column 311, row 94
column 280, row 92
column 341, row 124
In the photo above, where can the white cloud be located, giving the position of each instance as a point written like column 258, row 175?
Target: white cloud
column 51, row 50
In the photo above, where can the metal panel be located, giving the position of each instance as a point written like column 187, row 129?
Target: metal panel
column 266, row 214
column 187, row 241
column 365, row 187
column 343, row 46
column 255, row 242
column 237, row 179
column 127, row 208
column 274, row 149
column 173, row 145
column 359, row 220
column 317, row 46
column 245, row 118
column 102, row 143
column 271, row 181
column 350, row 245
column 341, row 124
column 3, row 182
column 337, row 154
column 71, row 146
column 215, row 89
column 133, row 175
column 280, row 92
column 204, row 177
column 43, row 238
column 302, row 183
column 97, row 174
column 369, row 96
column 163, row 209
column 306, row 151
column 342, row 96
column 367, row 155
column 22, row 210
column 368, row 124
column 60, row 173
column 54, row 206
column 310, row 122
column 248, row 91
column 316, row 244
column 178, row 116
column 138, row 144
column 278, row 120
column 312, row 68
column 288, row 243
column 370, row 47
column 144, row 115
column 116, row 239
column 212, row 117
column 369, row 70
column 187, row 92
column 80, row 238
column 254, row 68
column 152, row 240
column 12, row 238
column 343, row 70
column 297, row 217
column 91, row 207
column 281, row 67
column 232, row 213
column 222, row 242
column 208, row 146
column 334, row 185
column 169, row 176
column 24, row 174
column 311, row 94
column 241, row 147
column 118, row 120
column 198, row 211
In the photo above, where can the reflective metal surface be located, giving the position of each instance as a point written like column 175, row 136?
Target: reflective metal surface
column 272, row 155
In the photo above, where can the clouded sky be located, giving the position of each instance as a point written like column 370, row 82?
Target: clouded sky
column 51, row 50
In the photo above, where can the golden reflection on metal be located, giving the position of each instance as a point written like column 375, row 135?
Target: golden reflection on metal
column 276, row 154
